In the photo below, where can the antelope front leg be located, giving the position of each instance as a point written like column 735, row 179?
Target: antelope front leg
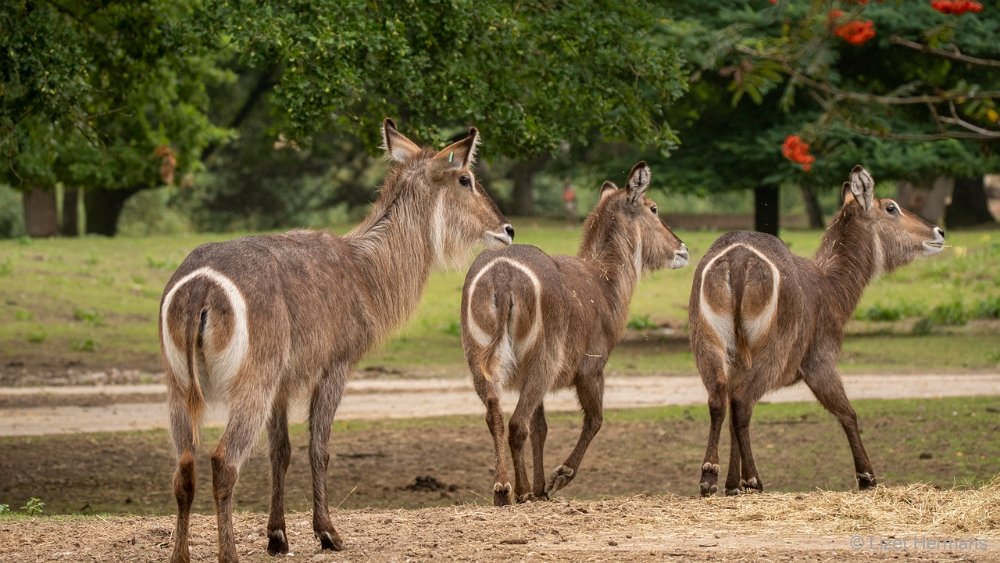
column 323, row 406
column 590, row 392
column 281, row 452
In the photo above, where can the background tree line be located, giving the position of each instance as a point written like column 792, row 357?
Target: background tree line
column 256, row 116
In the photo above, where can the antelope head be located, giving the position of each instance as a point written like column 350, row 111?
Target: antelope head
column 897, row 236
column 655, row 245
column 462, row 213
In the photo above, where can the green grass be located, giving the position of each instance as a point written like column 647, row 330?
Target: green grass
column 797, row 446
column 92, row 302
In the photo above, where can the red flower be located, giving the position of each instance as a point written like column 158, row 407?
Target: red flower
column 856, row 32
column 834, row 15
column 956, row 7
column 797, row 151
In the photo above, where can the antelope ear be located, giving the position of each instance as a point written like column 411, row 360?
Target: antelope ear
column 846, row 196
column 862, row 186
column 607, row 189
column 396, row 146
column 638, row 182
column 461, row 154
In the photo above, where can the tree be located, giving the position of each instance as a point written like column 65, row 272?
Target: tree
column 762, row 73
column 531, row 75
column 109, row 97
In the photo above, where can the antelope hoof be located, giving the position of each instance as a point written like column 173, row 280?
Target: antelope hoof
column 733, row 492
column 277, row 543
column 559, row 479
column 502, row 494
column 709, row 477
column 330, row 540
column 866, row 481
column 751, row 485
column 542, row 497
column 526, row 497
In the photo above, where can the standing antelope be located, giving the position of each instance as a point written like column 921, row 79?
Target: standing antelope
column 253, row 321
column 762, row 318
column 535, row 323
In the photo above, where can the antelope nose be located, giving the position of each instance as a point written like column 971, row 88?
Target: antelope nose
column 510, row 230
column 683, row 252
column 939, row 231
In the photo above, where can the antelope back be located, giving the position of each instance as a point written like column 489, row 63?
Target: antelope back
column 462, row 213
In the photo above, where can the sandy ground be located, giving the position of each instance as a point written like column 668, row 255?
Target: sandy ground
column 819, row 526
column 70, row 409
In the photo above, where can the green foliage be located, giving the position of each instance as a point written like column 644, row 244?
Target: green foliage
column 641, row 322
column 5, row 509
column 88, row 315
column 988, row 308
column 85, row 345
column 801, row 78
column 6, row 268
column 923, row 327
column 37, row 336
column 34, row 507
column 879, row 312
column 952, row 314
column 531, row 75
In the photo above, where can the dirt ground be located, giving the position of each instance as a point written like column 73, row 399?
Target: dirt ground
column 107, row 408
column 906, row 523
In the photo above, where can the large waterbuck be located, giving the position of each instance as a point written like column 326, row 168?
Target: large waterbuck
column 253, row 321
column 535, row 323
column 762, row 318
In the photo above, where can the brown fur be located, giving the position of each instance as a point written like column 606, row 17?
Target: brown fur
column 760, row 351
column 314, row 305
column 560, row 333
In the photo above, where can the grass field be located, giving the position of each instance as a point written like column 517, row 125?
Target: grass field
column 91, row 303
column 798, row 447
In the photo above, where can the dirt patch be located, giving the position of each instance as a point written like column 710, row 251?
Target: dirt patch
column 908, row 523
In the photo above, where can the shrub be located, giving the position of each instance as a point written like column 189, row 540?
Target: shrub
column 953, row 313
column 642, row 322
column 988, row 308
column 923, row 327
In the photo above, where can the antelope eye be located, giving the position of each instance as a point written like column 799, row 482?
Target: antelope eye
column 892, row 209
column 653, row 209
column 465, row 180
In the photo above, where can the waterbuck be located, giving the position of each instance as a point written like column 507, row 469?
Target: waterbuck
column 535, row 323
column 762, row 318
column 253, row 321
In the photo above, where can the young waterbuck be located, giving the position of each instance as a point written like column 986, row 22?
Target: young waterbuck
column 535, row 323
column 762, row 318
column 253, row 321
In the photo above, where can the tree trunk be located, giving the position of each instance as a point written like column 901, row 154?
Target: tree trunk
column 103, row 209
column 765, row 200
column 40, row 216
column 813, row 211
column 523, row 195
column 71, row 216
column 968, row 204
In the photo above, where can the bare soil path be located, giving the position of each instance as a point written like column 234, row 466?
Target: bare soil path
column 72, row 409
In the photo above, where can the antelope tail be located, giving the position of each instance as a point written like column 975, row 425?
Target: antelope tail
column 195, row 313
column 738, row 283
column 498, row 351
